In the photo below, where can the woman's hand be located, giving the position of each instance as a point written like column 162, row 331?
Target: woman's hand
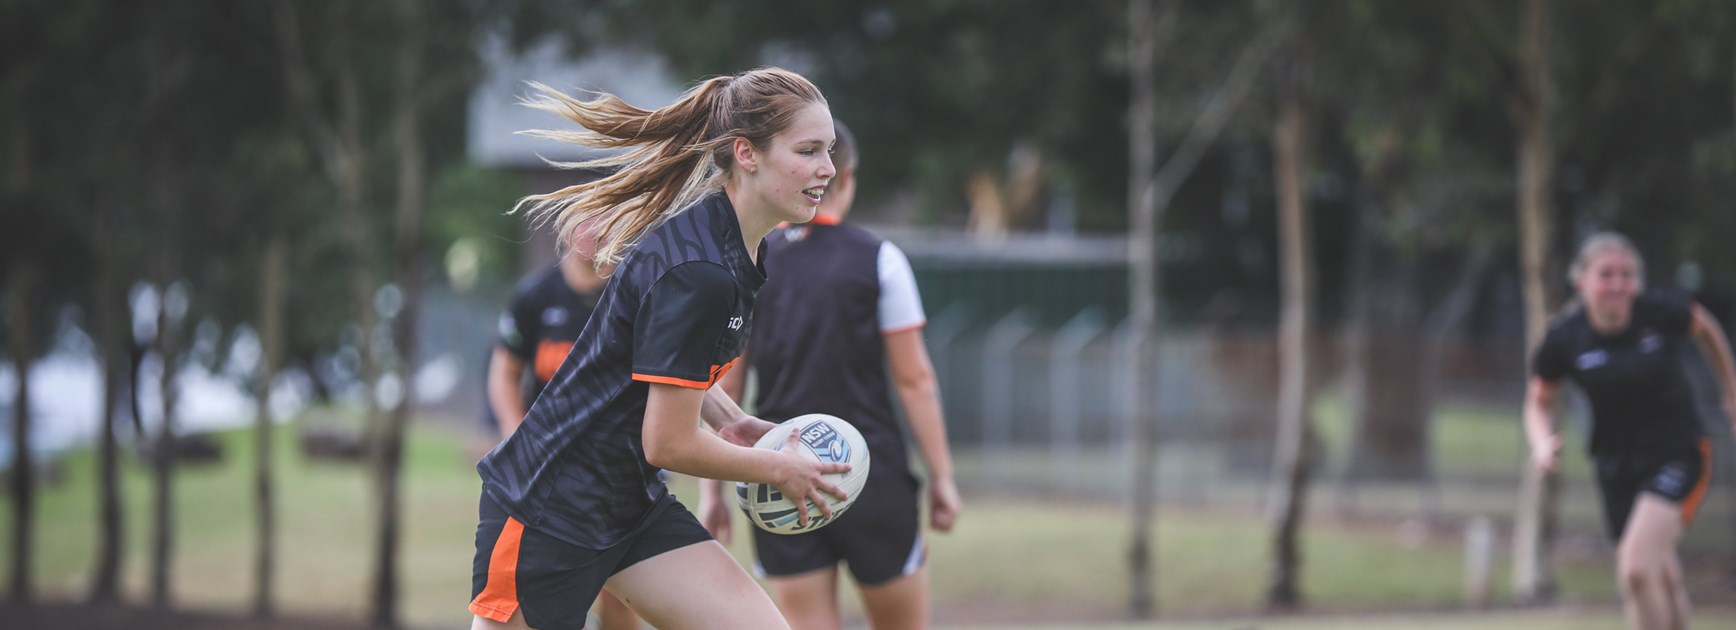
column 943, row 504
column 802, row 480
column 1544, row 456
column 714, row 510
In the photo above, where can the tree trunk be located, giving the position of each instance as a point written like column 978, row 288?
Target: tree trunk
column 273, row 280
column 1148, row 27
column 1291, row 466
column 1390, row 433
column 1534, row 529
column 22, row 332
column 338, row 138
column 1150, row 190
column 164, row 453
column 412, row 197
column 115, row 345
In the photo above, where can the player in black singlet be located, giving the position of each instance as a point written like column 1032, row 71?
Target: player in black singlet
column 572, row 502
column 839, row 315
column 1621, row 345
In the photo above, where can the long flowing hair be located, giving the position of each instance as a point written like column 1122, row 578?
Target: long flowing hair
column 675, row 154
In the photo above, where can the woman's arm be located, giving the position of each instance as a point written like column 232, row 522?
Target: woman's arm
column 913, row 377
column 1710, row 336
column 1540, row 432
column 505, row 370
column 675, row 441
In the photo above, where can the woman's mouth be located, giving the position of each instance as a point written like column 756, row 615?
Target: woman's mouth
column 815, row 194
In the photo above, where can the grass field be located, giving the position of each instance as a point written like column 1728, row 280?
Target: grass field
column 1011, row 561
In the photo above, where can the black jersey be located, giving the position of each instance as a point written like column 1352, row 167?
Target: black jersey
column 835, row 291
column 1640, row 398
column 539, row 326
column 677, row 311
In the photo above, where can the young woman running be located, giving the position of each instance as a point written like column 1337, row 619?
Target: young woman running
column 1620, row 344
column 571, row 502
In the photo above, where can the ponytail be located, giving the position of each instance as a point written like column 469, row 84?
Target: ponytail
column 675, row 154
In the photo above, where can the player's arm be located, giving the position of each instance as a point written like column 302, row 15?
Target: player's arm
column 1709, row 335
column 505, row 372
column 674, row 440
column 919, row 392
column 901, row 321
column 680, row 322
column 714, row 512
column 1540, row 397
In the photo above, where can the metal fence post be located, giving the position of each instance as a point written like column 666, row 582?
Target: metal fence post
column 1065, row 408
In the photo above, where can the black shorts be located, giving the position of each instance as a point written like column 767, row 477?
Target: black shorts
column 553, row 581
column 1680, row 477
column 880, row 537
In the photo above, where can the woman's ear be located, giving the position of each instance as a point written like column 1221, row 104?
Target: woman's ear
column 746, row 158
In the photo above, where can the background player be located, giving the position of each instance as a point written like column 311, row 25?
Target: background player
column 1653, row 460
column 547, row 313
column 840, row 307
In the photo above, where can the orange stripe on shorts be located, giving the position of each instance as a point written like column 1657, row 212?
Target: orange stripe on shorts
column 499, row 597
column 1691, row 504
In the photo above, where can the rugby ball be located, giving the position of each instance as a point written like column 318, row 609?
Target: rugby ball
column 822, row 438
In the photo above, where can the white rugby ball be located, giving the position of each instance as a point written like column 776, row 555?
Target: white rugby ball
column 822, row 438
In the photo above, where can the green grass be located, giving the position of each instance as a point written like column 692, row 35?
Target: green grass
column 1010, row 559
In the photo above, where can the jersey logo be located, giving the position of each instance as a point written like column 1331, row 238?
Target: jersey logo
column 554, row 316
column 734, row 323
column 1592, row 360
column 1650, row 341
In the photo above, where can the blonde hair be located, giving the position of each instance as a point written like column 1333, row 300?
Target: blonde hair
column 675, row 154
column 1606, row 242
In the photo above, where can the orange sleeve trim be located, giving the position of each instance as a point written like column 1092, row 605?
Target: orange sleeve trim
column 499, row 597
column 894, row 331
column 1691, row 505
column 670, row 380
column 717, row 372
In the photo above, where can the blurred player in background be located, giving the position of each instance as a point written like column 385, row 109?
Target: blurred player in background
column 1621, row 345
column 548, row 311
column 840, row 310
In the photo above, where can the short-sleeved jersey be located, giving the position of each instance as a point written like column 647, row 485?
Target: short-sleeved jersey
column 1640, row 399
column 835, row 291
column 678, row 311
column 539, row 326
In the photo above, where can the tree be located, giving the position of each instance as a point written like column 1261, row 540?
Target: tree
column 1287, row 499
column 1534, row 109
column 1150, row 190
column 21, row 333
column 1148, row 27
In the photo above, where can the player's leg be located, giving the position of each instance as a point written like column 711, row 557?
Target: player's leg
column 898, row 604
column 697, row 586
column 809, row 600
column 478, row 622
column 1680, row 609
column 1642, row 563
column 883, row 546
column 614, row 615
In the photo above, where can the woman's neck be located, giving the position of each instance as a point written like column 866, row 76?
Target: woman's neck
column 1609, row 323
column 755, row 224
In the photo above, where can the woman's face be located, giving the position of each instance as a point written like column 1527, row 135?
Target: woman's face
column 790, row 175
column 1609, row 283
